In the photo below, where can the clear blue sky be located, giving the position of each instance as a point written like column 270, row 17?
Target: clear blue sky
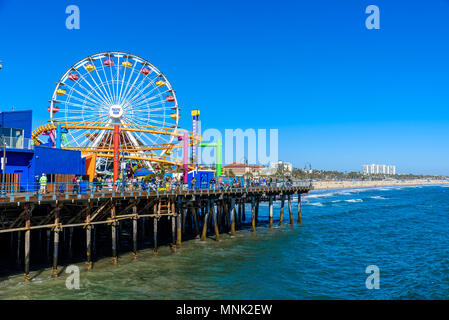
column 340, row 95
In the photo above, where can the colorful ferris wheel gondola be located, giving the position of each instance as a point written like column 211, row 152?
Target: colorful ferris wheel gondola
column 90, row 67
column 108, row 63
column 145, row 71
column 127, row 64
column 73, row 77
column 160, row 83
column 61, row 92
column 53, row 109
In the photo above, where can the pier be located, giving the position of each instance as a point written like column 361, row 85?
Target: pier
column 168, row 216
column 117, row 172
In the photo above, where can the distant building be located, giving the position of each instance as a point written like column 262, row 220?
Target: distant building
column 240, row 169
column 281, row 165
column 378, row 169
column 267, row 171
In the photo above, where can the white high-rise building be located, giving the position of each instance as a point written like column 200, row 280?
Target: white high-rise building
column 378, row 169
column 391, row 170
column 365, row 169
column 281, row 165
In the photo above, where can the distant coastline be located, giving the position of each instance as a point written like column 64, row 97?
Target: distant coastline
column 322, row 185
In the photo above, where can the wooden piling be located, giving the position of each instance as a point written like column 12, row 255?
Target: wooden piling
column 227, row 213
column 196, row 220
column 155, row 236
column 41, row 250
column 114, row 236
column 26, row 276
column 210, row 222
column 94, row 241
column 11, row 244
column 220, row 215
column 270, row 210
column 189, row 225
column 88, row 241
column 253, row 214
column 257, row 209
column 70, row 242
column 54, row 270
column 142, row 232
column 299, row 208
column 135, row 217
column 118, row 232
column 281, row 214
column 232, row 216
column 179, row 224
column 155, row 230
column 173, row 225
column 290, row 212
column 215, row 222
column 206, row 218
column 183, row 215
column 19, row 238
column 48, row 245
column 239, row 213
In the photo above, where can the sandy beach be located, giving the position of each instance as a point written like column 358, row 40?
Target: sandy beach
column 319, row 185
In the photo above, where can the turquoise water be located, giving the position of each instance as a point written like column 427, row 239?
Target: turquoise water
column 402, row 230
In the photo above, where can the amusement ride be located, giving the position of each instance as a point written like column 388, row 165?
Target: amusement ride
column 118, row 107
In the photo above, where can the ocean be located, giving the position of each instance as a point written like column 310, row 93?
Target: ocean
column 403, row 231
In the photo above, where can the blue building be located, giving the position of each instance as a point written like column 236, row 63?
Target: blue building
column 202, row 178
column 24, row 161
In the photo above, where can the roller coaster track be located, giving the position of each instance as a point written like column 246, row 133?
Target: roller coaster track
column 149, row 157
column 136, row 153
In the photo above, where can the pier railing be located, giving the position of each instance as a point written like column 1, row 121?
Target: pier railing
column 9, row 192
column 17, row 142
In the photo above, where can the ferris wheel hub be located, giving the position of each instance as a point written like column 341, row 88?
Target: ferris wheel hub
column 116, row 111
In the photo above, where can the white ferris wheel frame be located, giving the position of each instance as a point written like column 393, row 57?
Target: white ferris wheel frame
column 98, row 90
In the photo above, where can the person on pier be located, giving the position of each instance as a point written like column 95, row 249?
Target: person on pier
column 75, row 185
column 95, row 183
column 43, row 183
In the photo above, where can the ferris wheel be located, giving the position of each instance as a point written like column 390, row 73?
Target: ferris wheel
column 115, row 88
